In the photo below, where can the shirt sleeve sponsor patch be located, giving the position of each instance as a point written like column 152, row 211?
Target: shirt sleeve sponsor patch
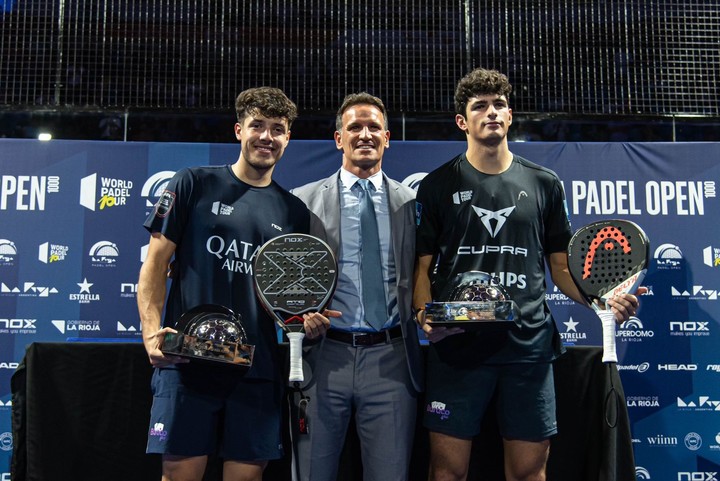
column 165, row 203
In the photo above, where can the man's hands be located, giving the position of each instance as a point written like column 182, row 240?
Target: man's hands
column 157, row 357
column 626, row 305
column 316, row 324
column 435, row 334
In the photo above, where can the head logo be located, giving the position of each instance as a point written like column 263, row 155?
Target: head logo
column 642, row 473
column 487, row 216
column 104, row 253
column 413, row 180
column 154, row 186
column 668, row 256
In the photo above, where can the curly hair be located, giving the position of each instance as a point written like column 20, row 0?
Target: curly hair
column 480, row 82
column 357, row 99
column 270, row 102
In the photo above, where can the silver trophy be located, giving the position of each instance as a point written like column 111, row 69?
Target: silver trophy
column 475, row 300
column 210, row 333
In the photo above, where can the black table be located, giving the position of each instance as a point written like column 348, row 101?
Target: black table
column 81, row 412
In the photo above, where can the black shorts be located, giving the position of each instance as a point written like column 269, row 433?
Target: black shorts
column 457, row 398
column 195, row 414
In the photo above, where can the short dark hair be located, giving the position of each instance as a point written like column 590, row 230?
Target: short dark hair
column 268, row 101
column 357, row 99
column 480, row 82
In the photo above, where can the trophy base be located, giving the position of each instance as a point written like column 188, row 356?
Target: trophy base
column 223, row 353
column 473, row 315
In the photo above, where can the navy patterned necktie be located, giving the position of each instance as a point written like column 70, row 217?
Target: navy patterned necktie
column 373, row 285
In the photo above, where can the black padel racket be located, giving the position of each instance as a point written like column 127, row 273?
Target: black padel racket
column 608, row 258
column 294, row 274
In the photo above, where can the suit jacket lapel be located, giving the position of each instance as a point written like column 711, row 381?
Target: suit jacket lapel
column 330, row 198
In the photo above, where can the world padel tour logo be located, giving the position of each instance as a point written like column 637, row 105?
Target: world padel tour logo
column 153, row 188
column 8, row 252
column 49, row 253
column 668, row 256
column 104, row 254
column 711, row 256
column 99, row 193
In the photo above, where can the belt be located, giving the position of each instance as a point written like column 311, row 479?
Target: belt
column 364, row 338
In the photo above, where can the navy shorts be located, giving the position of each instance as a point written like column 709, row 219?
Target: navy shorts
column 456, row 399
column 199, row 412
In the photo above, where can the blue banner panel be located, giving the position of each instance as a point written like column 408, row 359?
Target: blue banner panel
column 72, row 243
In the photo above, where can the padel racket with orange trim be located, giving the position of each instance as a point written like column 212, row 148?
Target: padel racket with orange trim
column 294, row 274
column 606, row 259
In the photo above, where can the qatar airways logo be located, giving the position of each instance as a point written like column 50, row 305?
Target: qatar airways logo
column 237, row 255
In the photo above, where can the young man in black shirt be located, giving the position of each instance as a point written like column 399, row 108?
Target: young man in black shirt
column 490, row 210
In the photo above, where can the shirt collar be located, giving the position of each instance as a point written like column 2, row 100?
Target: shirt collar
column 349, row 179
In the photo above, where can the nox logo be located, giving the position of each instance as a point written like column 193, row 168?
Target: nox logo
column 487, row 216
column 17, row 323
column 697, row 476
column 689, row 326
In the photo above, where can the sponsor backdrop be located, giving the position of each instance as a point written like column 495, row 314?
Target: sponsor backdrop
column 71, row 245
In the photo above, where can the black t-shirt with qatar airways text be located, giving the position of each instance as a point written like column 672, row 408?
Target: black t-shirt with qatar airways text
column 218, row 223
column 505, row 225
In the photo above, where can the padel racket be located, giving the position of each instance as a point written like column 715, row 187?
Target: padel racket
column 294, row 274
column 608, row 258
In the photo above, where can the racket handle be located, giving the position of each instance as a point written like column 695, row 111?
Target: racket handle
column 608, row 333
column 296, row 372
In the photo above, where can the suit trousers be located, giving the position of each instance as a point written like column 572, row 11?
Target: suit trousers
column 373, row 384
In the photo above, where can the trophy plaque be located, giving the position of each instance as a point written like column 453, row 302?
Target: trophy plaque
column 210, row 333
column 476, row 300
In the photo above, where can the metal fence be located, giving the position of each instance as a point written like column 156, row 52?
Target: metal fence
column 562, row 56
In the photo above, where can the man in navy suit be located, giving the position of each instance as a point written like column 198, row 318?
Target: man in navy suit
column 370, row 369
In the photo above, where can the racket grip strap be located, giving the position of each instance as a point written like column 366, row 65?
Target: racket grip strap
column 296, row 372
column 607, row 318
